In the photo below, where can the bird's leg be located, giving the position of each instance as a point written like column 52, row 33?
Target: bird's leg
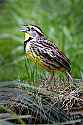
column 69, row 77
column 50, row 78
column 46, row 82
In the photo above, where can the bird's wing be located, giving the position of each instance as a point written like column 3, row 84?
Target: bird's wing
column 51, row 55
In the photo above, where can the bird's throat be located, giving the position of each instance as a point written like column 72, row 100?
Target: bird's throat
column 27, row 36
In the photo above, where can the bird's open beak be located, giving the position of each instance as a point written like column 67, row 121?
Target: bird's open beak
column 23, row 29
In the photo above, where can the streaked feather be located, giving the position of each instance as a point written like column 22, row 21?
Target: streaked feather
column 50, row 55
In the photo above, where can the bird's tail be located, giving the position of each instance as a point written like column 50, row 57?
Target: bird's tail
column 69, row 76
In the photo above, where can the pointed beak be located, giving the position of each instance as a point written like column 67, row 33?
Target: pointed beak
column 23, row 29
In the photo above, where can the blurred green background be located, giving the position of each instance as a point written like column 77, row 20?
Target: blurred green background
column 61, row 21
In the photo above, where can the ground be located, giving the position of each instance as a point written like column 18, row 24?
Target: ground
column 56, row 103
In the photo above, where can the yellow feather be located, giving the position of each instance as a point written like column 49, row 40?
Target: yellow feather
column 27, row 35
column 34, row 58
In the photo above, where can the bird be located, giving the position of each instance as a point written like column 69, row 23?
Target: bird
column 43, row 52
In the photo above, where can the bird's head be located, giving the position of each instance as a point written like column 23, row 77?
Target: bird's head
column 31, row 31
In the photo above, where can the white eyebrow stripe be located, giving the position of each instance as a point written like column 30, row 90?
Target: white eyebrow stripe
column 37, row 29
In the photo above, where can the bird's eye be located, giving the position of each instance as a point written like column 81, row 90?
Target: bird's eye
column 34, row 34
column 28, row 29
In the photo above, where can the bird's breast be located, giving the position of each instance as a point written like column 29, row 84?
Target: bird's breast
column 33, row 57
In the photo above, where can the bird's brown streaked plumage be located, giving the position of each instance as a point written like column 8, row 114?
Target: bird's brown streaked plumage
column 50, row 55
column 40, row 50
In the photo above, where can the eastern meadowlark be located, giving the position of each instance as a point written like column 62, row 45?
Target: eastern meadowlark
column 44, row 53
